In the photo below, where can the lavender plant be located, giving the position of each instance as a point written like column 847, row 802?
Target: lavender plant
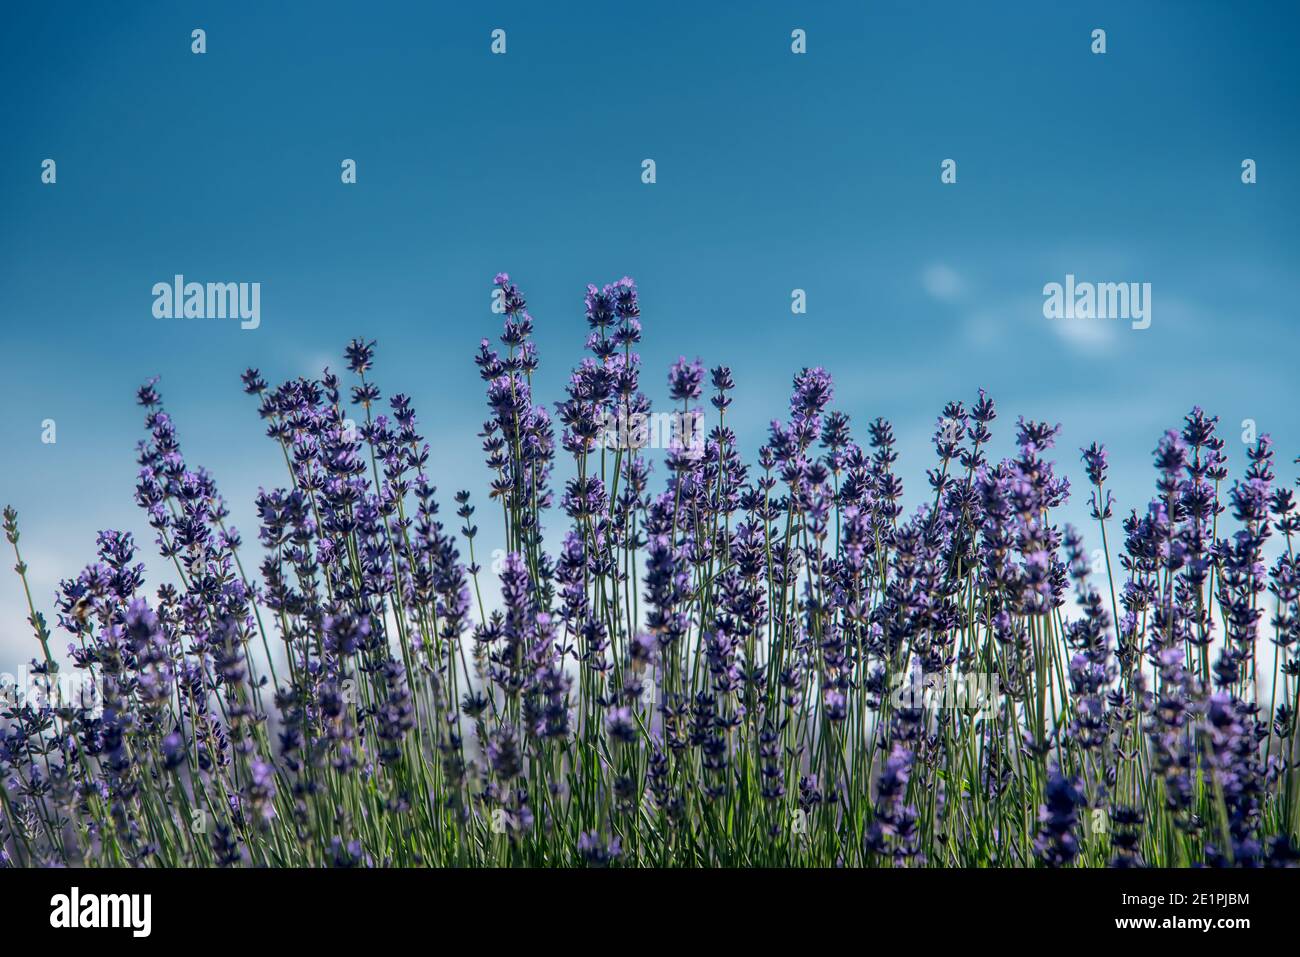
column 735, row 669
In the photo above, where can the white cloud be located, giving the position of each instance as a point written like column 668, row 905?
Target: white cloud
column 942, row 283
column 1088, row 336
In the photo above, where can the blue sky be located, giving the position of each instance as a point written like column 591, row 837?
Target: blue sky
column 775, row 171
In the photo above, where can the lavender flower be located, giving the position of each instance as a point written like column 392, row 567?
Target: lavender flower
column 715, row 667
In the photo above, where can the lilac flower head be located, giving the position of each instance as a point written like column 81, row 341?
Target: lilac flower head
column 812, row 392
column 147, row 394
column 512, row 300
column 1057, row 844
column 600, row 307
column 722, row 383
column 1095, row 461
column 1198, row 431
column 254, row 384
column 626, row 305
column 173, row 751
column 1034, row 437
column 685, row 379
column 620, row 725
column 1170, row 456
column 596, row 852
column 503, row 753
column 360, row 355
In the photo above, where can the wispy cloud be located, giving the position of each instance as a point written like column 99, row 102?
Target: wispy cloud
column 1086, row 336
column 943, row 283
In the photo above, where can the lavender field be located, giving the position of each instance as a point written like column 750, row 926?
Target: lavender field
column 711, row 662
